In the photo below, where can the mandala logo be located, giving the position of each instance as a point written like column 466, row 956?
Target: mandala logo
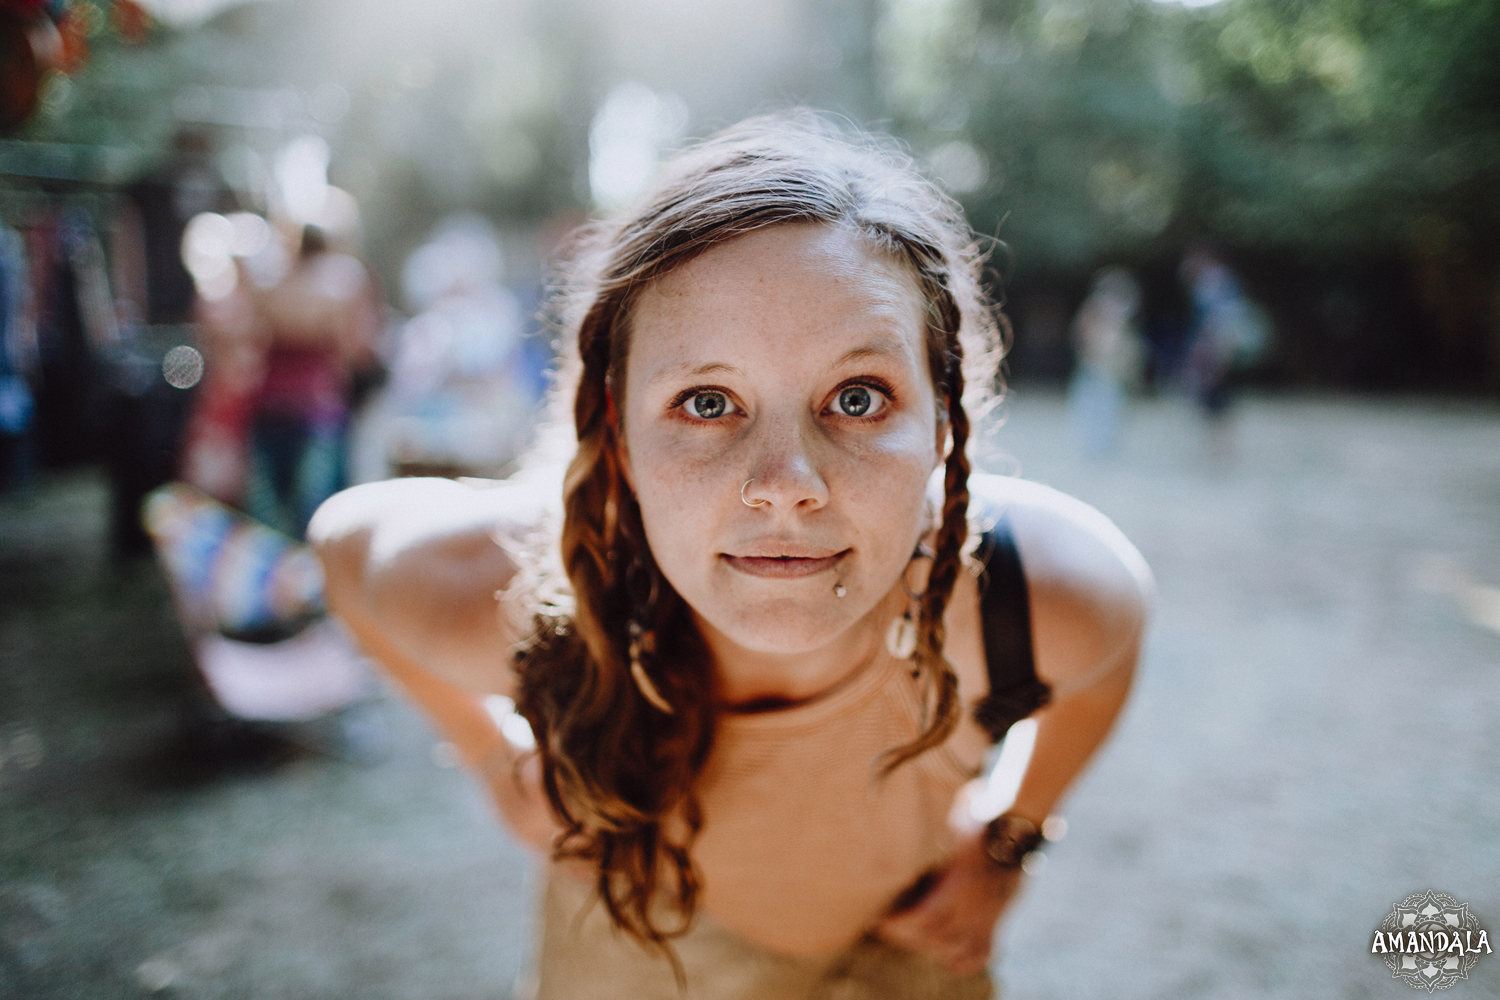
column 1430, row 940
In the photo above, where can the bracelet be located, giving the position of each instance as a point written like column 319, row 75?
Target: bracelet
column 1009, row 838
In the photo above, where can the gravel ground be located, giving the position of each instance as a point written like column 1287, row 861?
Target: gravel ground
column 1313, row 738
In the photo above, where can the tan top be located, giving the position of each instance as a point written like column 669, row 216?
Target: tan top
column 804, row 844
column 582, row 956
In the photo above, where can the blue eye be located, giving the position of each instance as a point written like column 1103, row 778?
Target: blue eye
column 708, row 405
column 858, row 401
column 855, row 400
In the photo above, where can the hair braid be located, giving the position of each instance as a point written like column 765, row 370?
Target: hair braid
column 592, row 492
column 953, row 528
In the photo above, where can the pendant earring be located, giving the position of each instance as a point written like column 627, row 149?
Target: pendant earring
column 901, row 636
column 642, row 639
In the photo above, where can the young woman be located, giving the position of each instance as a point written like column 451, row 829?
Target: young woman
column 768, row 625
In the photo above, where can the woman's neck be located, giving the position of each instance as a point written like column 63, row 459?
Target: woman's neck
column 753, row 680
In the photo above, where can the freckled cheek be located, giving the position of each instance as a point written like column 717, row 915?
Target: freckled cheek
column 675, row 470
column 681, row 495
column 883, row 484
column 905, row 451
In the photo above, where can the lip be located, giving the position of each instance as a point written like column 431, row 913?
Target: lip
column 784, row 567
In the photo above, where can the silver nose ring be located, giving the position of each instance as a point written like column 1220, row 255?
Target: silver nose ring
column 750, row 503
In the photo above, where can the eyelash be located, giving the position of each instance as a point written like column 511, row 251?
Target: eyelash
column 876, row 383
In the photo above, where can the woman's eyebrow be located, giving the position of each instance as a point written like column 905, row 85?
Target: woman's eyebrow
column 684, row 369
column 892, row 347
column 884, row 348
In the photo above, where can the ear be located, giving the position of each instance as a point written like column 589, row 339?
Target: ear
column 940, row 449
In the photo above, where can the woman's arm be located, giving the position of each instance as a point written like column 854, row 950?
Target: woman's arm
column 1090, row 593
column 418, row 558
column 413, row 568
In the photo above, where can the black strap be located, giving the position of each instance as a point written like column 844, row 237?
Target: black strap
column 1005, row 607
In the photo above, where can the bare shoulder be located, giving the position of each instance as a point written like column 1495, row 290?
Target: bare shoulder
column 1090, row 588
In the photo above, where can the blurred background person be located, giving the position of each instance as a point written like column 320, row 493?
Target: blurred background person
column 464, row 382
column 235, row 258
column 155, row 302
column 152, row 283
column 1227, row 332
column 17, row 360
column 1109, row 355
column 321, row 322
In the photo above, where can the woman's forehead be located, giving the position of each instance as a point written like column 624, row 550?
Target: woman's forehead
column 781, row 288
column 836, row 253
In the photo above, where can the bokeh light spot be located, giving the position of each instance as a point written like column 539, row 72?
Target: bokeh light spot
column 182, row 367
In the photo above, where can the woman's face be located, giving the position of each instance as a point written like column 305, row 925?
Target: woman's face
column 795, row 357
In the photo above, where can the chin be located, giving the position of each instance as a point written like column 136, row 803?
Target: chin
column 784, row 628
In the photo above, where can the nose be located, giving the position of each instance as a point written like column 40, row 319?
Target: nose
column 786, row 471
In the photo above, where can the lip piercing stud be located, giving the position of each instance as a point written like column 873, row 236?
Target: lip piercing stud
column 747, row 502
column 839, row 590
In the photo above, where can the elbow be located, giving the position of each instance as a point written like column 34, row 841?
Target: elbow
column 339, row 538
column 334, row 520
column 1131, row 618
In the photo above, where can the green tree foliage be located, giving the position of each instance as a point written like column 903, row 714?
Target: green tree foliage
column 1110, row 128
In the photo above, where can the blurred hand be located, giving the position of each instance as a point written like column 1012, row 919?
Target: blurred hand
column 955, row 921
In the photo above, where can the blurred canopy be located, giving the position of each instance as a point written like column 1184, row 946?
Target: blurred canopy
column 1344, row 154
column 1319, row 126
